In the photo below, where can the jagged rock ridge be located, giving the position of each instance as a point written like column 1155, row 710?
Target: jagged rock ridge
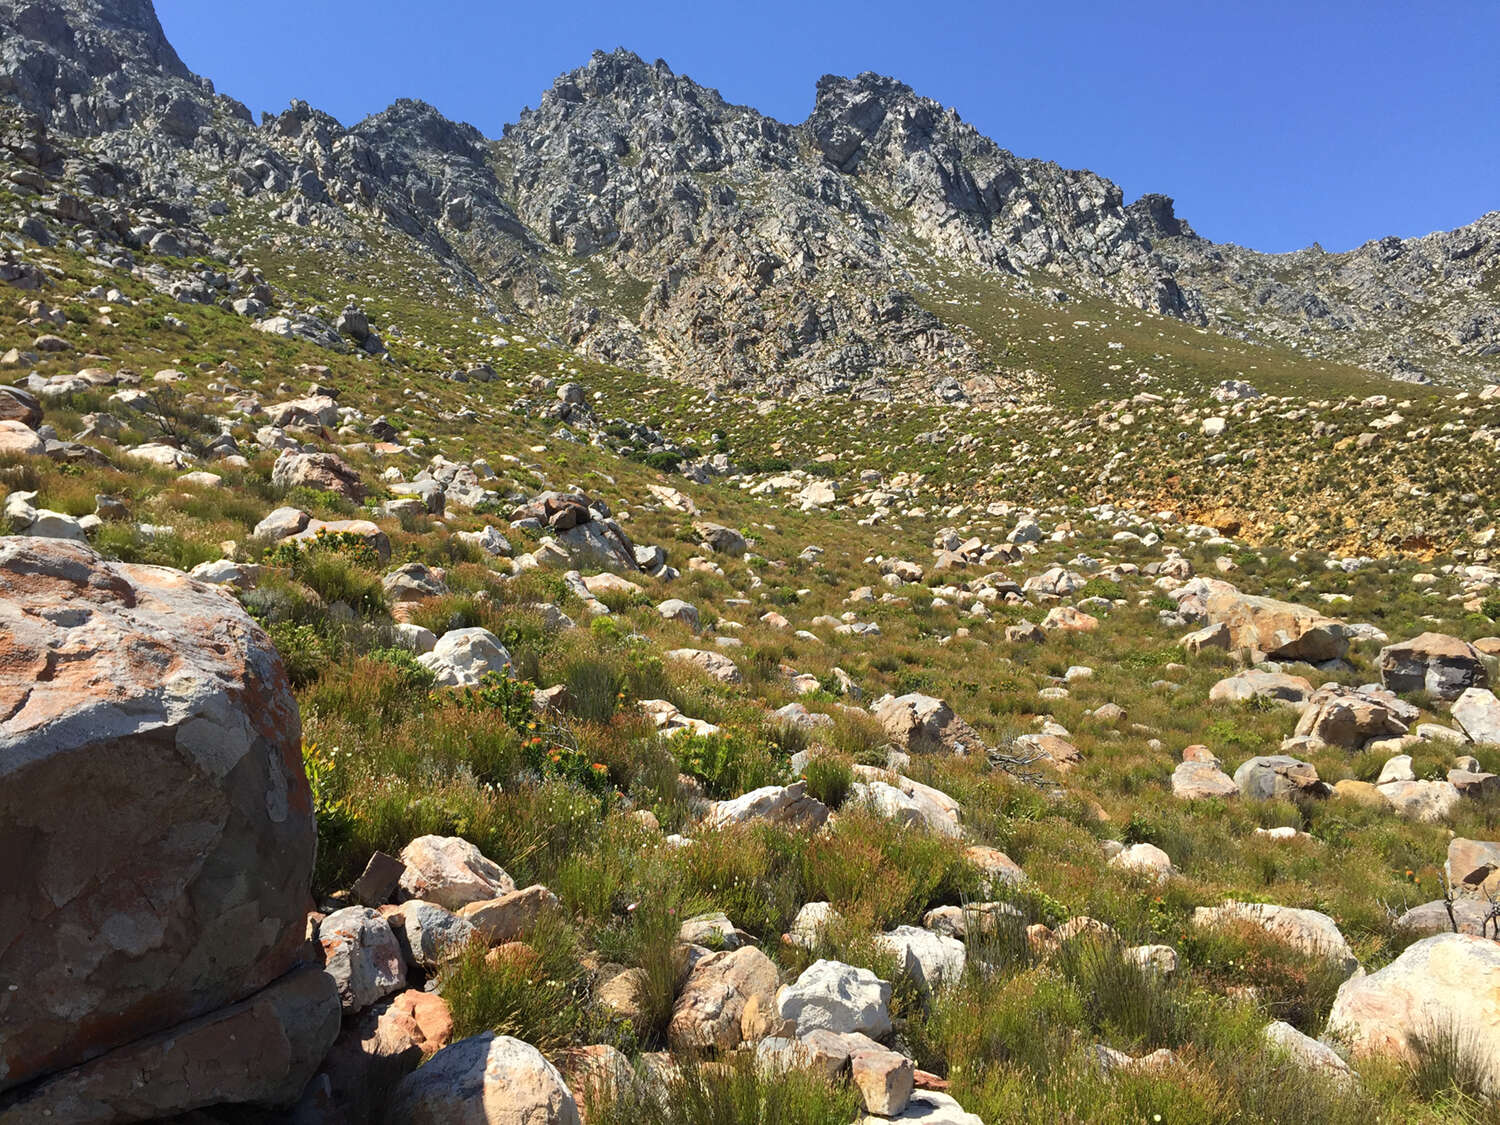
column 642, row 219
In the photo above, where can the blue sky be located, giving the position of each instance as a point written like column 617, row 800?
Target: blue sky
column 1273, row 124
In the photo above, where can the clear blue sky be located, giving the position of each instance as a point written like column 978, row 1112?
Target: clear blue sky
column 1273, row 123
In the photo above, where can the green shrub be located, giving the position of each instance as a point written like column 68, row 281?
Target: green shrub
column 555, row 755
column 787, row 738
column 305, row 652
column 335, row 816
column 644, row 672
column 538, row 993
column 337, row 566
column 318, row 500
column 883, row 873
column 663, row 461
column 464, row 611
column 509, row 699
column 829, row 779
column 656, row 923
column 727, row 763
column 1292, row 986
column 1024, row 1021
column 1226, row 732
column 752, row 873
column 125, row 542
column 1124, row 1002
column 1102, row 588
column 734, row 1092
column 412, row 675
column 1449, row 1063
column 372, row 693
column 276, row 598
column 765, row 464
column 595, row 689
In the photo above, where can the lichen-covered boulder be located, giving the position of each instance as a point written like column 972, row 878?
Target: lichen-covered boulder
column 487, row 1080
column 1443, row 666
column 1443, row 991
column 325, row 472
column 155, row 817
column 261, row 1050
column 1350, row 719
column 711, row 1008
column 833, row 996
column 1268, row 628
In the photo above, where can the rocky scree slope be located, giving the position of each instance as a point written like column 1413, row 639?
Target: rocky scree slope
column 415, row 240
column 580, row 759
column 642, row 219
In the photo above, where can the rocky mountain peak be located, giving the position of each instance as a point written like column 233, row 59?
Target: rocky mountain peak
column 1155, row 216
column 847, row 112
column 93, row 65
column 620, row 71
column 129, row 29
column 618, row 104
column 420, row 124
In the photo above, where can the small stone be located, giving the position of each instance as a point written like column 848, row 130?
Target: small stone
column 378, row 883
column 884, row 1079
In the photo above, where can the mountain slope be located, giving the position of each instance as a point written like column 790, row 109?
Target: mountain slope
column 637, row 217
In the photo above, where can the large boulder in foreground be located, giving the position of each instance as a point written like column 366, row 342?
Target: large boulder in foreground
column 462, row 657
column 1348, row 718
column 1271, row 777
column 155, row 818
column 1276, row 630
column 715, row 1009
column 451, row 872
column 1199, row 781
column 1443, row 991
column 323, row 472
column 261, row 1051
column 1253, row 683
column 919, row 723
column 914, row 721
column 833, row 996
column 785, row 805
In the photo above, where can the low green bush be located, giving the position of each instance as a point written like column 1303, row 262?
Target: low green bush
column 727, row 763
column 535, row 991
column 735, row 1092
column 829, row 779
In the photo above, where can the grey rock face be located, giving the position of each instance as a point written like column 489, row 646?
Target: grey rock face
column 484, row 1080
column 832, row 996
column 262, row 1050
column 362, row 955
column 769, row 254
column 1278, row 775
column 152, row 796
column 1477, row 711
